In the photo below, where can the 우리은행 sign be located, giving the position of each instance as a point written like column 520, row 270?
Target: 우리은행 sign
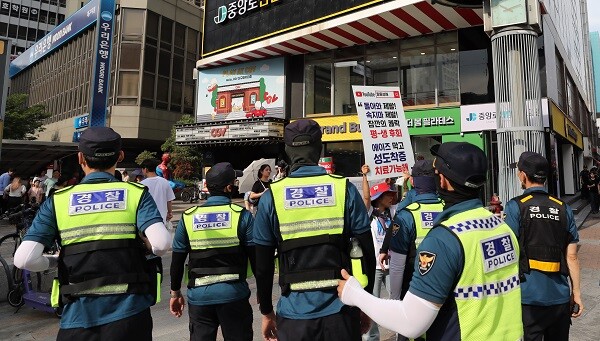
column 386, row 140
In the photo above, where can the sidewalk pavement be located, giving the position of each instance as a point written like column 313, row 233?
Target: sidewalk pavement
column 28, row 324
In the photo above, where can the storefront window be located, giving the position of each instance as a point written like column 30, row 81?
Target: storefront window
column 447, row 68
column 317, row 76
column 476, row 79
column 346, row 74
column 382, row 64
column 422, row 145
column 418, row 76
column 347, row 157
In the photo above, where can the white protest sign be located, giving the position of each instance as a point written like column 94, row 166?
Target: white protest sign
column 386, row 141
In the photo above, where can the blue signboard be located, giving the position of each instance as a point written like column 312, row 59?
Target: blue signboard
column 77, row 135
column 61, row 34
column 98, row 201
column 80, row 122
column 101, row 82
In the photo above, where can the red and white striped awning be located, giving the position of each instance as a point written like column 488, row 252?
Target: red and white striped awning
column 391, row 20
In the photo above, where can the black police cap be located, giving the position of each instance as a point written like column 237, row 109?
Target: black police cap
column 461, row 162
column 100, row 142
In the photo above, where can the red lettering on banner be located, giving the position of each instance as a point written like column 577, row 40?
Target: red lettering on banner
column 218, row 132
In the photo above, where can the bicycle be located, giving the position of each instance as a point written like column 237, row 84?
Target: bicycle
column 194, row 193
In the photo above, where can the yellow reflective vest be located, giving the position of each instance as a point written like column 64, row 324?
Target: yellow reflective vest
column 313, row 247
column 216, row 255
column 101, row 253
column 488, row 294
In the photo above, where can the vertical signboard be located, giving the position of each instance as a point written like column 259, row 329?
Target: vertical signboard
column 4, row 65
column 386, row 140
column 101, row 83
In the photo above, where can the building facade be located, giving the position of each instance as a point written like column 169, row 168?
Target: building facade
column 27, row 21
column 439, row 57
column 154, row 48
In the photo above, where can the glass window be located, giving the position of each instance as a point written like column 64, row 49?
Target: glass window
column 166, row 33
column 162, row 90
column 476, row 78
column 317, row 88
column 178, row 67
column 188, row 96
column 176, row 94
column 192, row 41
column 152, row 25
column 128, row 84
column 148, row 86
column 130, row 24
column 447, row 69
column 130, row 56
column 179, row 35
column 417, row 78
column 561, row 82
column 164, row 63
column 382, row 64
column 150, row 58
column 346, row 74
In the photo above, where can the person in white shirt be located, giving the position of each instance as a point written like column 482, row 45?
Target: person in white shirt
column 159, row 188
column 379, row 200
column 50, row 182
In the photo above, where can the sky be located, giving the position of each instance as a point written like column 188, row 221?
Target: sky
column 594, row 15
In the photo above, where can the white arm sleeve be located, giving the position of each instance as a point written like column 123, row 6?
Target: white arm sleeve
column 159, row 238
column 30, row 256
column 410, row 317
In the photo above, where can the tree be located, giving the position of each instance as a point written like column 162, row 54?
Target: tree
column 145, row 155
column 185, row 160
column 22, row 122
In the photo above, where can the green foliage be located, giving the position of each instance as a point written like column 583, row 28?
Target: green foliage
column 144, row 156
column 185, row 160
column 22, row 122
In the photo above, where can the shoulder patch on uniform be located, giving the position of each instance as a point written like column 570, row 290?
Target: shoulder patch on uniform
column 395, row 229
column 426, row 261
column 526, row 198
column 555, row 200
column 136, row 184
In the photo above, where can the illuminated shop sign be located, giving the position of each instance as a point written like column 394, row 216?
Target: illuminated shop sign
column 244, row 91
column 239, row 8
column 232, row 23
column 235, row 132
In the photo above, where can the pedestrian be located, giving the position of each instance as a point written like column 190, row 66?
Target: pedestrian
column 548, row 239
column 125, row 176
column 5, row 179
column 36, row 191
column 308, row 217
column 261, row 186
column 15, row 192
column 50, row 182
column 466, row 283
column 583, row 179
column 592, row 186
column 104, row 281
column 139, row 178
column 218, row 238
column 159, row 188
column 282, row 170
column 379, row 200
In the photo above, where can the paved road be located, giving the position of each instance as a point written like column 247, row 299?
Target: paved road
column 28, row 324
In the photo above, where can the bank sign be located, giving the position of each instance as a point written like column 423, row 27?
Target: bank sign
column 241, row 91
column 95, row 11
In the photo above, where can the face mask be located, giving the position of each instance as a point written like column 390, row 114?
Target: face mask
column 453, row 197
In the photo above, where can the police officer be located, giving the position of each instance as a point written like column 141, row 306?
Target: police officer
column 466, row 281
column 218, row 238
column 309, row 217
column 548, row 239
column 104, row 280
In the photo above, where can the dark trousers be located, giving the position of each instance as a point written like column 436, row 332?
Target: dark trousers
column 343, row 326
column 136, row 327
column 550, row 323
column 594, row 201
column 235, row 319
